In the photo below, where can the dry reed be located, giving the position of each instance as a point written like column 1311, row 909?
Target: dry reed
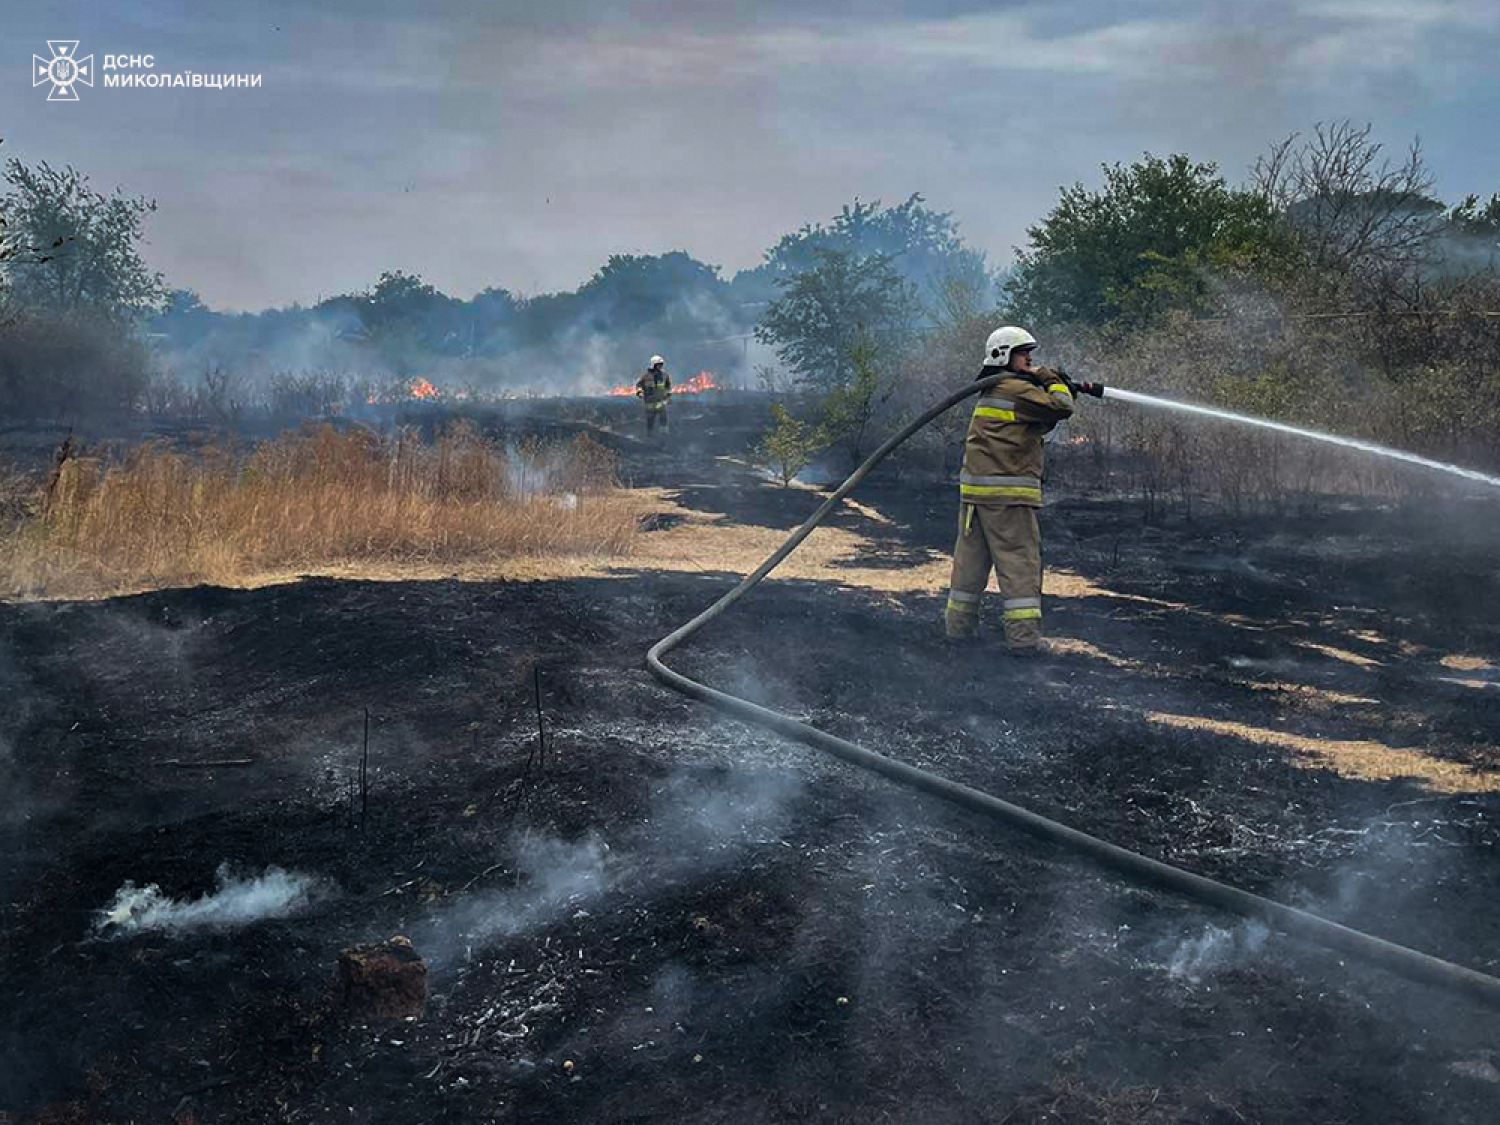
column 318, row 497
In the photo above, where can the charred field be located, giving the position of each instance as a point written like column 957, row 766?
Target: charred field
column 653, row 913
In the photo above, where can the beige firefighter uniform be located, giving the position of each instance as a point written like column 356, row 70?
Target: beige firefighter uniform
column 1000, row 490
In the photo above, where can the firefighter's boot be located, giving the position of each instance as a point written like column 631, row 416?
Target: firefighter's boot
column 971, row 572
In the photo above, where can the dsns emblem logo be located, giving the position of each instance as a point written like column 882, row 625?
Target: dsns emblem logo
column 64, row 70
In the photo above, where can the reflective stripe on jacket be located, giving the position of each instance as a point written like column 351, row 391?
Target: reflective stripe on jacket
column 1003, row 449
column 655, row 387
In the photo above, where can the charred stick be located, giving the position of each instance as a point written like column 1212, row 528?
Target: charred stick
column 64, row 452
column 364, row 776
column 541, row 742
column 537, row 751
column 182, row 765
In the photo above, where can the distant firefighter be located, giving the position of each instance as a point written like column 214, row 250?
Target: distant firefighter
column 1000, row 490
column 654, row 389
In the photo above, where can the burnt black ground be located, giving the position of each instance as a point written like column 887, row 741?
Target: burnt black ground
column 713, row 925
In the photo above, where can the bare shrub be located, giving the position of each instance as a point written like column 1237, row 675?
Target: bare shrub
column 222, row 395
column 1357, row 213
column 946, row 359
column 302, row 395
column 314, row 497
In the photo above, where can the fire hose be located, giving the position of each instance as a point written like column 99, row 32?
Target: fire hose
column 1409, row 963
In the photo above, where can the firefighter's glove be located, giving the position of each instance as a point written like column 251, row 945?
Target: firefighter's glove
column 1058, row 375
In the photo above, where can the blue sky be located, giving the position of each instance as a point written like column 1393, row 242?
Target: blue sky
column 483, row 143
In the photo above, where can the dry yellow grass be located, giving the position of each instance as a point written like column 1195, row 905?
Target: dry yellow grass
column 1357, row 758
column 1341, row 654
column 1461, row 663
column 1322, row 698
column 1075, row 646
column 311, row 500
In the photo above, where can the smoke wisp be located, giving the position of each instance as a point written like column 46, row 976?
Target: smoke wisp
column 551, row 876
column 237, row 901
column 1216, row 949
column 694, row 826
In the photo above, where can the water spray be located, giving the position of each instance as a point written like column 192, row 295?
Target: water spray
column 1409, row 963
column 1298, row 431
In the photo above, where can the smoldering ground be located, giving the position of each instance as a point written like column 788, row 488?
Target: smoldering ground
column 698, row 822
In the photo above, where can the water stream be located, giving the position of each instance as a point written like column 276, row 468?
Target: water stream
column 1298, row 431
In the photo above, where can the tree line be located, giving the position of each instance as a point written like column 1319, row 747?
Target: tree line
column 1329, row 287
column 87, row 325
column 1330, row 263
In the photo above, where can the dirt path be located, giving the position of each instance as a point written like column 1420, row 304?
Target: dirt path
column 709, row 924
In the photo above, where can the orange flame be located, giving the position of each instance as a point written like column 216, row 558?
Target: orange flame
column 421, row 388
column 703, row 381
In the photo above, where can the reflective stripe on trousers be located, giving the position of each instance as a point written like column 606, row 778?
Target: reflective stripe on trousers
column 960, row 601
column 1002, row 540
column 975, row 486
column 1021, row 609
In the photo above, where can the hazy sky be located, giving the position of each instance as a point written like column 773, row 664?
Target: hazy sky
column 483, row 143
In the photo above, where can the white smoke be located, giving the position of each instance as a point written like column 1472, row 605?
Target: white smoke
column 1216, row 949
column 552, row 877
column 696, row 824
column 237, row 902
column 531, row 472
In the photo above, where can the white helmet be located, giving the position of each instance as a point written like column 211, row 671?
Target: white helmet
column 656, row 361
column 1002, row 342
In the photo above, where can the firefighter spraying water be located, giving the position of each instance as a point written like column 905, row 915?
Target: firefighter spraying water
column 1000, row 489
column 1003, row 471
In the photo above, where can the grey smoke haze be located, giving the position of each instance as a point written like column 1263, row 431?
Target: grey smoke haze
column 517, row 144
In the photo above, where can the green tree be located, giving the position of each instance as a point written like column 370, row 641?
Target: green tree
column 1149, row 240
column 1471, row 239
column 850, row 408
column 786, row 448
column 1471, row 218
column 824, row 314
column 634, row 290
column 404, row 319
column 83, row 247
column 923, row 245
